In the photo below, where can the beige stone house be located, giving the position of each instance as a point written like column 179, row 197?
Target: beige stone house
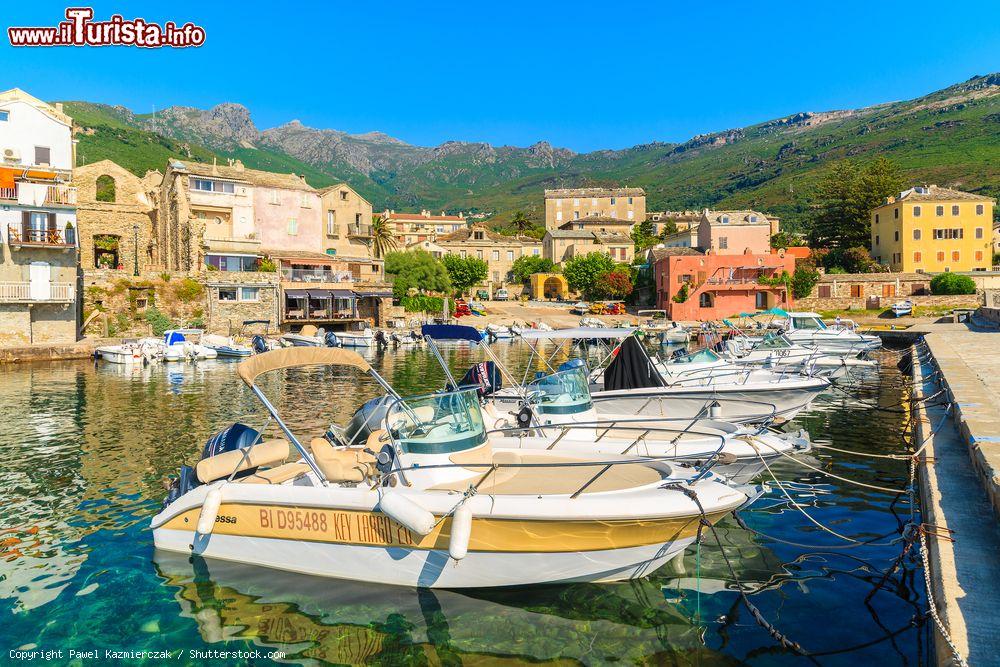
column 347, row 221
column 498, row 251
column 413, row 228
column 682, row 220
column 560, row 245
column 113, row 210
column 571, row 204
column 39, row 294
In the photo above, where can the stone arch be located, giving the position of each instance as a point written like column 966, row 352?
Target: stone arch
column 107, row 251
column 106, row 188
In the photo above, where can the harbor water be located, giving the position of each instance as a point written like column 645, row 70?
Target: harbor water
column 85, row 451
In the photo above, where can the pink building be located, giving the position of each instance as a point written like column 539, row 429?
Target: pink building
column 734, row 232
column 718, row 286
column 288, row 213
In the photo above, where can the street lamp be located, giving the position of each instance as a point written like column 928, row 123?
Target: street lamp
column 135, row 240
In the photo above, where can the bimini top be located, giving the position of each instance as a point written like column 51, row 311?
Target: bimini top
column 291, row 357
column 451, row 332
column 578, row 333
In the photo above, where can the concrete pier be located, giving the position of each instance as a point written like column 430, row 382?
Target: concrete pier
column 959, row 476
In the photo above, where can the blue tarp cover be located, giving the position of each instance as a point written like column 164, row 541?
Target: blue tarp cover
column 451, row 332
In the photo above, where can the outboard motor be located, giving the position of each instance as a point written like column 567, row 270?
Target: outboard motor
column 380, row 339
column 366, row 420
column 485, row 375
column 258, row 344
column 234, row 437
column 331, row 340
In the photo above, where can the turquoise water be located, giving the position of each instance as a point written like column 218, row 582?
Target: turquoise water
column 85, row 451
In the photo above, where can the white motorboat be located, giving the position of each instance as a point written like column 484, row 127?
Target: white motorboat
column 225, row 346
column 499, row 332
column 775, row 351
column 180, row 345
column 809, row 330
column 363, row 338
column 658, row 327
column 310, row 336
column 438, row 506
column 129, row 352
column 405, row 338
column 901, row 308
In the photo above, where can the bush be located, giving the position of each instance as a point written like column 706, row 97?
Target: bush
column 525, row 266
column 682, row 294
column 422, row 303
column 803, row 281
column 158, row 321
column 613, row 285
column 188, row 290
column 952, row 283
column 165, row 277
column 267, row 265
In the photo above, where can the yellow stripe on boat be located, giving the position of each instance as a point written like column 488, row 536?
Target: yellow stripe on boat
column 488, row 535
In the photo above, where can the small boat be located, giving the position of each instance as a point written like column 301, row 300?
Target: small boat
column 901, row 308
column 310, row 336
column 405, row 338
column 413, row 492
column 499, row 332
column 809, row 330
column 180, row 345
column 225, row 346
column 364, row 338
column 129, row 352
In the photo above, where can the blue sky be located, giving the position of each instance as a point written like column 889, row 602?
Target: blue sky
column 585, row 75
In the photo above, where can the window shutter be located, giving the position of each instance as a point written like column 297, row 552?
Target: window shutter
column 52, row 220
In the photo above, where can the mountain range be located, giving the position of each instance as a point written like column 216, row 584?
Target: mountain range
column 949, row 137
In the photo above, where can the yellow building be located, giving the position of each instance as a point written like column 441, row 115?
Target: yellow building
column 347, row 221
column 931, row 229
column 566, row 205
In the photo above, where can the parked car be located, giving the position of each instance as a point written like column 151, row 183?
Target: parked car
column 580, row 308
column 501, row 295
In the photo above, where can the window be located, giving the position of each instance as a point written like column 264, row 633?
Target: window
column 559, row 216
column 857, row 291
column 479, row 254
column 895, row 235
column 979, row 209
column 629, row 201
column 105, row 189
column 979, row 255
column 725, row 219
column 954, row 255
column 954, row 209
column 916, row 257
column 916, row 211
column 593, row 201
column 723, row 243
column 705, row 300
column 357, row 218
column 576, row 215
column 559, row 203
column 43, row 155
column 877, row 239
column 895, row 213
column 305, row 200
column 228, row 294
column 939, row 210
column 4, row 116
column 536, row 252
column 232, row 262
column 956, row 233
column 249, row 294
column 824, row 291
column 477, row 235
column 495, row 256
column 916, row 234
column 979, row 232
column 888, row 290
column 576, row 202
column 293, row 227
column 631, row 215
column 275, row 197
column 940, row 257
column 614, row 200
column 753, row 218
column 510, row 255
column 876, row 218
column 461, row 254
column 331, row 223
column 343, row 195
column 206, row 185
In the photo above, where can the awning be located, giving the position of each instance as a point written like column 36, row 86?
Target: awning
column 342, row 293
column 379, row 294
column 296, row 293
column 319, row 293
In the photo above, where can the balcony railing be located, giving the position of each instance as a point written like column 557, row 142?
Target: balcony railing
column 19, row 235
column 40, row 194
column 25, row 292
column 318, row 314
column 362, row 231
column 315, row 275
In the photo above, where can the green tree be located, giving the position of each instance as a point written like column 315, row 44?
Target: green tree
column 417, row 269
column 952, row 283
column 803, row 281
column 783, row 240
column 644, row 235
column 465, row 271
column 669, row 227
column 383, row 237
column 520, row 221
column 613, row 284
column 583, row 271
column 525, row 265
column 846, row 197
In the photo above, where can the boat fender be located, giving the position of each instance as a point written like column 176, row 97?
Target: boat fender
column 407, row 513
column 461, row 531
column 209, row 511
column 715, row 410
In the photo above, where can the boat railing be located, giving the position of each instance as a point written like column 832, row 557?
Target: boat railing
column 765, row 418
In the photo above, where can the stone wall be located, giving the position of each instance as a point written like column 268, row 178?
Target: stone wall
column 227, row 317
column 15, row 324
column 848, row 303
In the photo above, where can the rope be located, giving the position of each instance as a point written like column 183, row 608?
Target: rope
column 873, row 487
column 741, row 522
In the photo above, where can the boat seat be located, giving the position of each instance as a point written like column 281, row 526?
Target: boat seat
column 277, row 475
column 543, row 481
column 266, row 453
column 341, row 464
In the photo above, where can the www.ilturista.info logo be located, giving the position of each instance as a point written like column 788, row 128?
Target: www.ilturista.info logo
column 79, row 29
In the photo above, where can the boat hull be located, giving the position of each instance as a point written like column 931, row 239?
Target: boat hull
column 738, row 404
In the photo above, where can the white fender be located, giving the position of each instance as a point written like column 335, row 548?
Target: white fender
column 715, row 410
column 461, row 531
column 404, row 511
column 209, row 510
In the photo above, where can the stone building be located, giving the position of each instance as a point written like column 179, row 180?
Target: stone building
column 682, row 220
column 413, row 228
column 498, row 251
column 39, row 295
column 233, row 298
column 571, row 204
column 347, row 221
column 113, row 210
column 560, row 245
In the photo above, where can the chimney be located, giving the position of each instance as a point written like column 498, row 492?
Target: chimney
column 215, row 167
column 238, row 165
column 59, row 107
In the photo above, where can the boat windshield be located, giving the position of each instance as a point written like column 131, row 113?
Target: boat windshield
column 774, row 341
column 808, row 323
column 701, row 356
column 562, row 393
column 437, row 423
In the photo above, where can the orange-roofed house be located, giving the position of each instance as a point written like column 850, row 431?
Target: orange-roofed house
column 413, row 228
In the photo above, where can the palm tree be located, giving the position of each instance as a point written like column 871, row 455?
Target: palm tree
column 383, row 238
column 520, row 220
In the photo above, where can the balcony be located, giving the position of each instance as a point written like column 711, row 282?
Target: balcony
column 44, row 292
column 359, row 231
column 20, row 235
column 39, row 194
column 316, row 275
